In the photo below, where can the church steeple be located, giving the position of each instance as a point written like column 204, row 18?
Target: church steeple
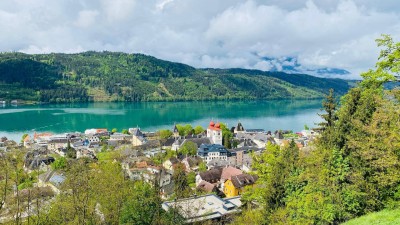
column 175, row 130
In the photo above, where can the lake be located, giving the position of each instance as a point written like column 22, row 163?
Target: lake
column 151, row 116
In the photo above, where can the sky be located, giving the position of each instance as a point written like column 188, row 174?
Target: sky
column 252, row 34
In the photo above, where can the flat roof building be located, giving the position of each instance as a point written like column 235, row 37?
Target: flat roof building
column 206, row 207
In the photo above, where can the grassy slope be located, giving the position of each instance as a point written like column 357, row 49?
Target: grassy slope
column 384, row 217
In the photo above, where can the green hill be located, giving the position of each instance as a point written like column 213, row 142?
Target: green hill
column 113, row 76
column 384, row 217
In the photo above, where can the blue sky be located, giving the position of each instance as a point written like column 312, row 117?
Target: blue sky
column 208, row 33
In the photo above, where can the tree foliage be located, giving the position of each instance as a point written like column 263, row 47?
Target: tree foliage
column 188, row 148
column 198, row 130
column 185, row 130
column 164, row 134
column 351, row 170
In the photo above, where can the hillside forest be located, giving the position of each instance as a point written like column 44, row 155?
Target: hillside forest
column 114, row 76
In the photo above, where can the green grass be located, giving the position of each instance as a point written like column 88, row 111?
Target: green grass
column 384, row 217
column 106, row 156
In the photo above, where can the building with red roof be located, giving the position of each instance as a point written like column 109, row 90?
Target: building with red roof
column 214, row 132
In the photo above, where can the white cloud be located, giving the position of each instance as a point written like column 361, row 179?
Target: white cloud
column 208, row 33
column 117, row 10
column 86, row 18
column 160, row 6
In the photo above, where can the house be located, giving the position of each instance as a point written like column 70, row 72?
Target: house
column 249, row 143
column 51, row 179
column 120, row 137
column 202, row 208
column 41, row 136
column 207, row 187
column 95, row 131
column 212, row 176
column 162, row 177
column 227, row 173
column 218, row 163
column 169, row 163
column 234, row 186
column 135, row 167
column 177, row 144
column 27, row 141
column 38, row 162
column 55, row 144
column 59, row 142
column 256, row 140
column 191, row 163
column 209, row 152
column 241, row 157
column 93, row 138
column 169, row 143
column 214, row 133
column 83, row 152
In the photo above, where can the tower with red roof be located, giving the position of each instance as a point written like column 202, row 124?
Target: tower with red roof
column 214, row 132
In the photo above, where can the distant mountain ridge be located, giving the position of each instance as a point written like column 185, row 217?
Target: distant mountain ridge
column 292, row 66
column 115, row 76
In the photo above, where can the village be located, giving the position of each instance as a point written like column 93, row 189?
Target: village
column 217, row 160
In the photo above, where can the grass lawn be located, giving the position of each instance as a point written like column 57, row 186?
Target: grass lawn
column 384, row 217
column 105, row 156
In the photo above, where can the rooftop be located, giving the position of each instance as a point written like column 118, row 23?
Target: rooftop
column 195, row 209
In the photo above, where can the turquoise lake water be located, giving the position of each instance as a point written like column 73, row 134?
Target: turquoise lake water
column 151, row 116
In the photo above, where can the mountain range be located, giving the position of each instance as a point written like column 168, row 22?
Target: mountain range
column 116, row 76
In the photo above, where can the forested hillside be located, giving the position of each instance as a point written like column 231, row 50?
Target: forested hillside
column 351, row 170
column 108, row 76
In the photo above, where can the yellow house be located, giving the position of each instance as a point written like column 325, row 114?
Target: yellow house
column 230, row 190
column 235, row 186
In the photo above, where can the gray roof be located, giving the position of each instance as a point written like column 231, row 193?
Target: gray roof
column 137, row 132
column 53, row 177
column 239, row 127
column 199, row 141
column 207, row 207
column 242, row 180
column 211, row 175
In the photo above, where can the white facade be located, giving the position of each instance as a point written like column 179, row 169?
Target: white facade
column 215, row 155
column 215, row 136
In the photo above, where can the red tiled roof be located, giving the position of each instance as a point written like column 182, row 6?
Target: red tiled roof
column 230, row 171
column 36, row 135
column 204, row 185
column 213, row 126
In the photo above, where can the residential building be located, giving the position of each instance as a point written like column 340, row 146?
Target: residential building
column 95, row 131
column 234, row 186
column 209, row 152
column 169, row 163
column 51, row 179
column 202, row 208
column 191, row 163
column 212, row 176
column 227, row 173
